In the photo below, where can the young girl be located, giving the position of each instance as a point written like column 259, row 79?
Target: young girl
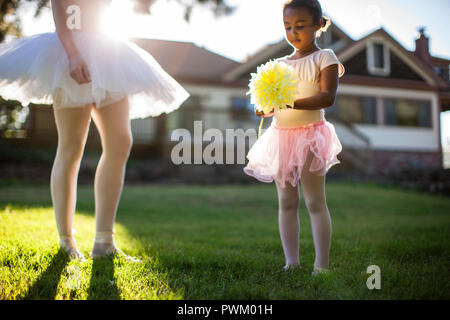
column 84, row 73
column 300, row 144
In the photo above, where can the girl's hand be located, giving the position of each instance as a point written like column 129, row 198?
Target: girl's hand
column 261, row 114
column 79, row 70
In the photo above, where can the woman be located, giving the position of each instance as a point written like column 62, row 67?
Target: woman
column 86, row 74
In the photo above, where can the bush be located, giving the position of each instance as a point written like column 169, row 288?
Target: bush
column 19, row 155
column 424, row 179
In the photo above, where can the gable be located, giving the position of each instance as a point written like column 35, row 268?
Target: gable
column 357, row 65
column 404, row 65
column 334, row 39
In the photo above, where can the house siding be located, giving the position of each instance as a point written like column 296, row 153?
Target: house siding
column 357, row 65
column 395, row 142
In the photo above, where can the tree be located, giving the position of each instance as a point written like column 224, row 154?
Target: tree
column 8, row 27
column 219, row 7
column 12, row 25
column 13, row 118
column 12, row 115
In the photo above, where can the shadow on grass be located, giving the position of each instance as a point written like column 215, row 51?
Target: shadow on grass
column 103, row 284
column 201, row 263
column 45, row 287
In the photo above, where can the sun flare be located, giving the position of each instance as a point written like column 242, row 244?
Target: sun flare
column 118, row 20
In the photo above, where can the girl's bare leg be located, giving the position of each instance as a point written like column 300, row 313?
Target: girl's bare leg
column 313, row 188
column 113, row 124
column 72, row 125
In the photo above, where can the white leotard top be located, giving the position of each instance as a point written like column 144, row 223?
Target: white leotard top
column 308, row 69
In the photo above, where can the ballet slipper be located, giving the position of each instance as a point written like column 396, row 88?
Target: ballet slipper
column 318, row 270
column 290, row 267
column 69, row 245
column 104, row 247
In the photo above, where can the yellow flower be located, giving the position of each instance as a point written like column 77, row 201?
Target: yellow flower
column 273, row 86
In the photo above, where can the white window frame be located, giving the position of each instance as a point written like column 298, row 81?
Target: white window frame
column 386, row 70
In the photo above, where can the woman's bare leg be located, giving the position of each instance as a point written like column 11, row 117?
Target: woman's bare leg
column 289, row 223
column 72, row 125
column 113, row 124
column 313, row 188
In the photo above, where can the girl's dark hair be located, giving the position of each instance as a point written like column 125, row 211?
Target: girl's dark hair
column 314, row 8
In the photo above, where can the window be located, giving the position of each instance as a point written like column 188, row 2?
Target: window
column 185, row 116
column 378, row 58
column 406, row 112
column 239, row 104
column 334, row 109
column 442, row 72
column 357, row 109
column 242, row 109
column 438, row 71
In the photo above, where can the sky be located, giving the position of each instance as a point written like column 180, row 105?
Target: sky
column 257, row 23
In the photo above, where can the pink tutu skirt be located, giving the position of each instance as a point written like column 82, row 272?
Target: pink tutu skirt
column 280, row 153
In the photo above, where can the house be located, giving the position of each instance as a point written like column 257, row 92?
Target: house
column 387, row 112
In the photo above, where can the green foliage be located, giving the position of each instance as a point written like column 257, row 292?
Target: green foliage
column 10, row 22
column 9, row 26
column 13, row 119
column 20, row 155
column 222, row 242
column 219, row 7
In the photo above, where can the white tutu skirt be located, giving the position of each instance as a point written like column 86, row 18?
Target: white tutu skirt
column 36, row 69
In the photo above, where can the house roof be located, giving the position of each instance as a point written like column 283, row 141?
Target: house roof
column 341, row 32
column 431, row 79
column 283, row 43
column 186, row 61
column 410, row 58
column 267, row 52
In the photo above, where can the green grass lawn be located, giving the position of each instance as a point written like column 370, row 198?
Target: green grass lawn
column 222, row 242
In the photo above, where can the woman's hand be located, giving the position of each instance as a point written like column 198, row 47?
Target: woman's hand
column 79, row 70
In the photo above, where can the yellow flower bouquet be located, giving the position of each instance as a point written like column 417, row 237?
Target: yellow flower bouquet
column 273, row 86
